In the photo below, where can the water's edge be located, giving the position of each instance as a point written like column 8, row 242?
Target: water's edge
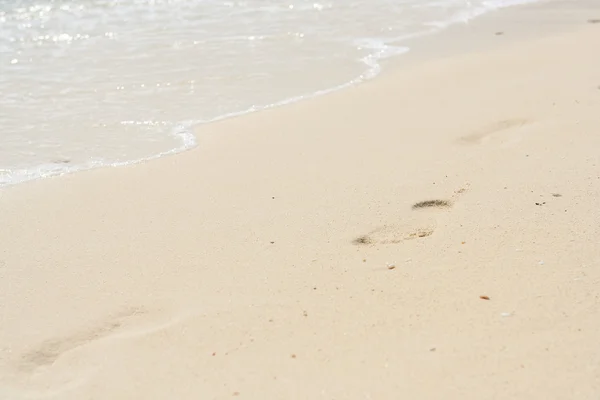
column 184, row 129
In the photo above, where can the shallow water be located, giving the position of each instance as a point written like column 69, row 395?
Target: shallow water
column 88, row 83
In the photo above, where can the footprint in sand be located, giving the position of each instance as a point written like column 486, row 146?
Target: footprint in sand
column 504, row 133
column 420, row 225
column 60, row 364
column 49, row 351
column 412, row 228
column 130, row 323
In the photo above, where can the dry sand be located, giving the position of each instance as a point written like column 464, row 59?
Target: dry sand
column 283, row 258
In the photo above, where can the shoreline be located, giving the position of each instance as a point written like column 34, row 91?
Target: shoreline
column 290, row 254
column 423, row 42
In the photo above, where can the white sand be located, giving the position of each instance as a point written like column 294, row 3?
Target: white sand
column 231, row 270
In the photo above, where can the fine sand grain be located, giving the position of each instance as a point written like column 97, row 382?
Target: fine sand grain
column 431, row 234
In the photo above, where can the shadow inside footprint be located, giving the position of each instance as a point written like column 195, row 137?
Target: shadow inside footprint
column 432, row 204
column 362, row 240
column 420, row 233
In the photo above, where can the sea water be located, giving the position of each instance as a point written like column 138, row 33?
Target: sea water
column 89, row 83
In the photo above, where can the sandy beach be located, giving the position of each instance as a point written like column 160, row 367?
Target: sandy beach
column 430, row 234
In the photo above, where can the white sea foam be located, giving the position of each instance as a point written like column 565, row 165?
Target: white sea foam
column 91, row 83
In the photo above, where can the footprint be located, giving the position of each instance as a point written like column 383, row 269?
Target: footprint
column 59, row 365
column 432, row 204
column 419, row 225
column 51, row 350
column 487, row 132
column 392, row 234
